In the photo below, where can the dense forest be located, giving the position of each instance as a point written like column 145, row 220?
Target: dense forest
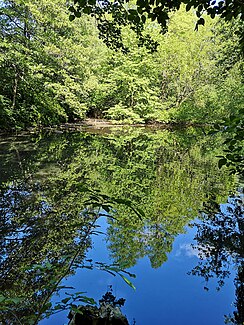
column 145, row 62
column 55, row 69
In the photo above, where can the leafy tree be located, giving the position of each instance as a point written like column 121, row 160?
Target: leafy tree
column 45, row 63
column 112, row 16
column 230, row 88
column 54, row 70
column 172, row 84
column 220, row 244
column 164, row 190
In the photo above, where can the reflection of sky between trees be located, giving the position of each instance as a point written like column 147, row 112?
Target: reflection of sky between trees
column 166, row 295
column 21, row 232
column 100, row 275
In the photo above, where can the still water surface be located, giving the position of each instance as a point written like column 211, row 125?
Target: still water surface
column 152, row 202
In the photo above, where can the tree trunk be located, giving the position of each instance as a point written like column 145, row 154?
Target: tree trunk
column 15, row 87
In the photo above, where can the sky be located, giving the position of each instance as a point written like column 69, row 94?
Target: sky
column 167, row 295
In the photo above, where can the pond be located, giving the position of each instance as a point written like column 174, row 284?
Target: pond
column 143, row 212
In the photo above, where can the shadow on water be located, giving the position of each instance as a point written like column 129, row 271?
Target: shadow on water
column 150, row 185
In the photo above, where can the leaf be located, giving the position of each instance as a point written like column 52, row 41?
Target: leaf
column 88, row 300
column 16, row 300
column 188, row 6
column 2, row 298
column 76, row 310
column 222, row 162
column 64, row 287
column 137, row 213
column 38, row 267
column 71, row 9
column 133, row 12
column 113, row 269
column 128, row 203
column 46, row 307
column 65, row 300
column 48, row 265
column 106, row 208
column 122, row 201
column 87, row 10
column 136, row 19
column 132, row 275
column 58, row 306
column 128, row 281
column 201, row 21
column 142, row 213
column 200, row 7
column 71, row 17
column 83, row 188
column 79, row 293
column 78, row 14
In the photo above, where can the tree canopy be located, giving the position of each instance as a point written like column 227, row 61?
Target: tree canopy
column 112, row 15
column 53, row 70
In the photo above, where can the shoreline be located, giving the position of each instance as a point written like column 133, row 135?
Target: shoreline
column 92, row 123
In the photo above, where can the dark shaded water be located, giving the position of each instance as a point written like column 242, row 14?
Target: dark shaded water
column 152, row 192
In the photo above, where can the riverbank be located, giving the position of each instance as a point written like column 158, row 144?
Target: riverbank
column 99, row 124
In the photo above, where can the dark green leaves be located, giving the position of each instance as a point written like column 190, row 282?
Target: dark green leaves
column 233, row 128
column 71, row 17
column 222, row 162
column 200, row 21
column 188, row 6
column 65, row 300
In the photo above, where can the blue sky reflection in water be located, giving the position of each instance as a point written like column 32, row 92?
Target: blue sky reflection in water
column 169, row 175
column 167, row 295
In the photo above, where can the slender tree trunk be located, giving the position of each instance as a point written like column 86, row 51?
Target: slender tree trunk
column 16, row 72
column 15, row 87
column 164, row 86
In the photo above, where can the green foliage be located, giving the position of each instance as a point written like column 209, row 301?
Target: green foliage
column 44, row 63
column 165, row 188
column 233, row 128
column 112, row 16
column 54, row 188
column 54, row 70
column 220, row 248
column 177, row 83
column 123, row 114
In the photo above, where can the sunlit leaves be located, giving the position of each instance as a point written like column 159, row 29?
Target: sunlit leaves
column 151, row 10
column 48, row 64
column 233, row 128
column 128, row 282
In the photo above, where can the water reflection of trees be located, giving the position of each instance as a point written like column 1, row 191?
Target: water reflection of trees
column 44, row 240
column 173, row 177
column 47, row 217
column 220, row 243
